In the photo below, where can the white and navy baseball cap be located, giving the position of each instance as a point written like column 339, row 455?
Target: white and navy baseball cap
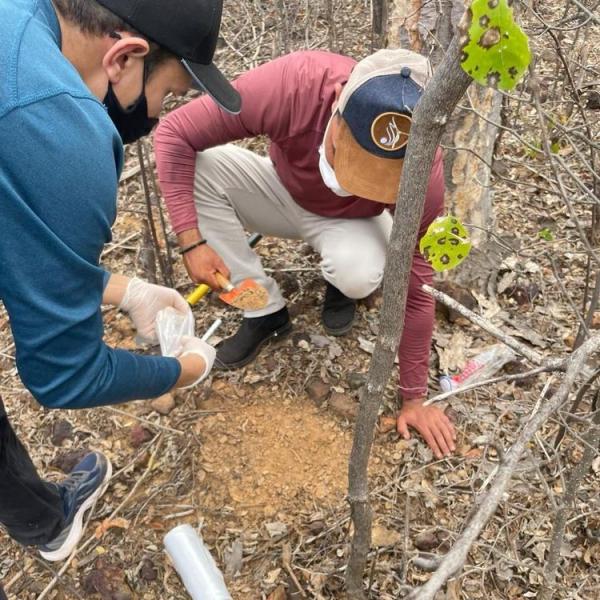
column 376, row 107
column 189, row 29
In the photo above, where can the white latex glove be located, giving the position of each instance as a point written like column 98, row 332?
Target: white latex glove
column 143, row 300
column 194, row 345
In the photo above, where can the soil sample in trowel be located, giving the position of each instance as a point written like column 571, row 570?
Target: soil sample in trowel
column 248, row 295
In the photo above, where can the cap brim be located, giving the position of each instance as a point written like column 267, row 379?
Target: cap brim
column 363, row 174
column 209, row 79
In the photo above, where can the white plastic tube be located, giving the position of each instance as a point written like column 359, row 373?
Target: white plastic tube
column 195, row 565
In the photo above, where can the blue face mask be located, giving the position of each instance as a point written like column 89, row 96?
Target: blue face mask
column 327, row 171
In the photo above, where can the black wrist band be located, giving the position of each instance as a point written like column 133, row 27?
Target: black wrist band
column 186, row 249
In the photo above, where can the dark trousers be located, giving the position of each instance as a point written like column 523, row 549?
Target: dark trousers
column 31, row 509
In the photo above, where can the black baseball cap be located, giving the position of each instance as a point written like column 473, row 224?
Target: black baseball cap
column 189, row 29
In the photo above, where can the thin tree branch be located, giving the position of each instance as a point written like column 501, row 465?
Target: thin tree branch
column 484, row 324
column 433, row 111
column 592, row 439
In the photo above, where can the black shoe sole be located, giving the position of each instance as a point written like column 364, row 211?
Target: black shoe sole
column 277, row 334
column 338, row 331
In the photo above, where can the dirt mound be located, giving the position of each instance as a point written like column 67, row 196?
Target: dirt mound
column 264, row 453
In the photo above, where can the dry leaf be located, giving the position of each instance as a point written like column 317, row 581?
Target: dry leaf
column 271, row 577
column 278, row 594
column 107, row 524
column 452, row 357
column 382, row 536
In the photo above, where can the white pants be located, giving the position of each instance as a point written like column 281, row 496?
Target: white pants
column 236, row 189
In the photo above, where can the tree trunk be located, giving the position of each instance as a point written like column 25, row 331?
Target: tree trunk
column 469, row 140
column 437, row 104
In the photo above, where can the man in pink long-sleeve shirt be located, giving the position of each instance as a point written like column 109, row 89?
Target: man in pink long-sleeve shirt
column 338, row 132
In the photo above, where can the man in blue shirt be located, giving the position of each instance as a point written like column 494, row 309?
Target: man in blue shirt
column 60, row 161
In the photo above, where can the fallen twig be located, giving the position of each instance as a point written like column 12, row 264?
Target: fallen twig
column 457, row 556
column 484, row 324
column 494, row 380
column 118, row 411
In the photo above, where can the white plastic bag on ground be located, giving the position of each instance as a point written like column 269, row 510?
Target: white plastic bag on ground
column 171, row 326
column 480, row 368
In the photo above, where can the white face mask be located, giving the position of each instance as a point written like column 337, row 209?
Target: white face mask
column 327, row 172
column 328, row 175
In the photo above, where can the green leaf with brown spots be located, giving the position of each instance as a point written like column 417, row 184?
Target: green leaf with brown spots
column 445, row 244
column 495, row 51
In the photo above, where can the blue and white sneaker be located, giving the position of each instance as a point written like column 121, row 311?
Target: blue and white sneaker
column 80, row 490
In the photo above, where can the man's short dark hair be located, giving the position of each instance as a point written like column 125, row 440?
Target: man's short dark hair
column 92, row 18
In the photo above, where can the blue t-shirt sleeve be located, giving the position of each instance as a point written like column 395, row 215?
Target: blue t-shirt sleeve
column 57, row 188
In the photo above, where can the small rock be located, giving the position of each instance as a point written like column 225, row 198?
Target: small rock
column 459, row 294
column 316, row 527
column 596, row 321
column 343, row 405
column 296, row 309
column 287, row 283
column 148, row 570
column 270, row 363
column 593, row 100
column 522, row 292
column 500, row 168
column 139, row 435
column 335, row 350
column 319, row 341
column 304, row 345
column 234, row 558
column 66, row 461
column 453, row 415
column 62, row 430
column 108, row 581
column 356, row 380
column 387, row 423
column 300, row 336
column 276, row 529
column 317, row 390
column 427, row 541
column 163, row 404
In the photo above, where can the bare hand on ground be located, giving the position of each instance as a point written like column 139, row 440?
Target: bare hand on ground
column 431, row 423
column 202, row 263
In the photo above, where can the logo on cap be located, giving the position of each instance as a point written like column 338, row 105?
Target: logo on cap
column 390, row 131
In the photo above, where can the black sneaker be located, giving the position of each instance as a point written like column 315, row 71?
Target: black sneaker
column 84, row 485
column 338, row 311
column 243, row 347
